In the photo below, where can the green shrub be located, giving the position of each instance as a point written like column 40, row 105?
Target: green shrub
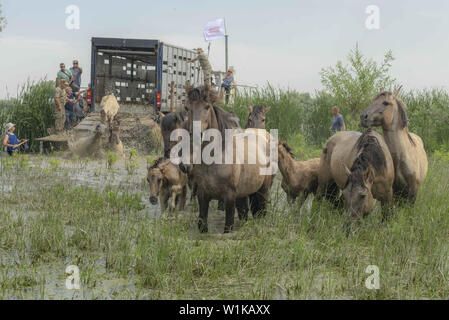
column 31, row 111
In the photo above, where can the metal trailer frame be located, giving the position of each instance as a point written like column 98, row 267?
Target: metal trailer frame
column 171, row 65
column 136, row 46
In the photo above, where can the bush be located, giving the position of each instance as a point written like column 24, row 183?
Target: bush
column 428, row 114
column 31, row 111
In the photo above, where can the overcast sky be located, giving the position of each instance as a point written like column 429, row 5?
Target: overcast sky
column 284, row 42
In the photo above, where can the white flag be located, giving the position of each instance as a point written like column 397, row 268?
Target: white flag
column 214, row 30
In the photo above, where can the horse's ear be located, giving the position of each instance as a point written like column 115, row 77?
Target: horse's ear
column 161, row 115
column 267, row 109
column 347, row 171
column 178, row 118
column 250, row 109
column 397, row 92
column 369, row 175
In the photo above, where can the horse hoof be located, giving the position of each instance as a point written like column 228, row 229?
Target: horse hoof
column 203, row 228
column 227, row 230
column 221, row 206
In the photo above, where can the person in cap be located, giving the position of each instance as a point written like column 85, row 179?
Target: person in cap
column 59, row 110
column 10, row 140
column 227, row 84
column 64, row 75
column 76, row 71
column 205, row 65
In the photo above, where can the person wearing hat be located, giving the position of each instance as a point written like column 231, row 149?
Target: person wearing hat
column 64, row 75
column 205, row 65
column 59, row 110
column 76, row 71
column 10, row 140
column 227, row 84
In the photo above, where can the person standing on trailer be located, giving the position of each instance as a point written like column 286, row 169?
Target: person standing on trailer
column 205, row 65
column 227, row 84
column 76, row 71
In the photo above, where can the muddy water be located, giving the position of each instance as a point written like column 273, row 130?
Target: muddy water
column 92, row 174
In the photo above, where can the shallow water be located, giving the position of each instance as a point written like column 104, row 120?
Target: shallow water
column 93, row 174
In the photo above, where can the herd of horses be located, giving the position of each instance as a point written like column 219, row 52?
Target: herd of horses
column 354, row 169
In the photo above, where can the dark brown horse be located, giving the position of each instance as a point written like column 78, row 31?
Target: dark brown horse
column 232, row 183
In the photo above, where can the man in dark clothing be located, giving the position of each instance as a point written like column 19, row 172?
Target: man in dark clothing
column 338, row 123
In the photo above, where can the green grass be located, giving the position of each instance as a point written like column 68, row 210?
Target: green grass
column 47, row 224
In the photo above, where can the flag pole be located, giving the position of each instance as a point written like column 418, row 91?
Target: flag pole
column 226, row 46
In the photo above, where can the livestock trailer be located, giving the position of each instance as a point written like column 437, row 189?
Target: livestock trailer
column 144, row 75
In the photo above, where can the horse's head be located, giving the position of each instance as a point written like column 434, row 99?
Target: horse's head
column 155, row 178
column 382, row 111
column 357, row 192
column 200, row 108
column 256, row 118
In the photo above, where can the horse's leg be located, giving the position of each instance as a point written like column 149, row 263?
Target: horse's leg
column 258, row 204
column 242, row 208
column 412, row 192
column 387, row 205
column 230, row 212
column 183, row 200
column 173, row 201
column 203, row 201
column 331, row 194
column 163, row 198
column 302, row 198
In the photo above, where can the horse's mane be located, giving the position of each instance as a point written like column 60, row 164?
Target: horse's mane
column 257, row 110
column 287, row 147
column 157, row 163
column 225, row 119
column 168, row 122
column 370, row 154
column 204, row 94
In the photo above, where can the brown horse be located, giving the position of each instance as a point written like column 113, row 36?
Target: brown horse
column 298, row 177
column 168, row 183
column 371, row 175
column 257, row 116
column 169, row 123
column 232, row 183
column 407, row 149
column 256, row 120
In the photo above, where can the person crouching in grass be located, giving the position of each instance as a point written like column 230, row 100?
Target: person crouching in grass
column 10, row 141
